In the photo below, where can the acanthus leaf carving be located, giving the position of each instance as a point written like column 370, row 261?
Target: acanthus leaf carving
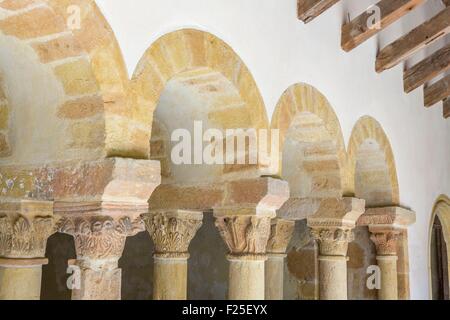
column 23, row 237
column 172, row 233
column 333, row 241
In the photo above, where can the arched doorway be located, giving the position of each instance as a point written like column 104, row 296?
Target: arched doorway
column 439, row 250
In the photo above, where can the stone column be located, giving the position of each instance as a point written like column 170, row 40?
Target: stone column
column 332, row 226
column 99, row 243
column 386, row 244
column 24, row 229
column 246, row 238
column 172, row 232
column 244, row 223
column 280, row 235
column 386, row 225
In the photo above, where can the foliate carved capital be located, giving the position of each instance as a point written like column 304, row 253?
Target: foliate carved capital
column 280, row 235
column 25, row 237
column 245, row 236
column 333, row 241
column 385, row 241
column 172, row 232
column 99, row 237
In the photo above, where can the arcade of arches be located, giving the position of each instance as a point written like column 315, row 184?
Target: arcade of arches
column 87, row 182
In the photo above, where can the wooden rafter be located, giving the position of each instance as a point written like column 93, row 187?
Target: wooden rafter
column 446, row 108
column 428, row 32
column 359, row 30
column 437, row 92
column 427, row 69
column 311, row 9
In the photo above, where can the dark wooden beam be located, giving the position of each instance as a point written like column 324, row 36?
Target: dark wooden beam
column 437, row 91
column 417, row 39
column 446, row 108
column 311, row 9
column 358, row 30
column 427, row 69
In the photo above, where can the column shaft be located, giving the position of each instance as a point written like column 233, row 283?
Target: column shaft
column 389, row 286
column 99, row 243
column 171, row 232
column 170, row 279
column 24, row 229
column 274, row 276
column 385, row 240
column 98, row 280
column 20, row 283
column 333, row 277
column 246, row 280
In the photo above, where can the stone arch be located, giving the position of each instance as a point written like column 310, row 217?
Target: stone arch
column 310, row 134
column 372, row 171
column 441, row 210
column 189, row 75
column 80, row 79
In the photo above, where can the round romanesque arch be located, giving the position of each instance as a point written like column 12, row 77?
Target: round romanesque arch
column 70, row 77
column 372, row 171
column 188, row 76
column 312, row 149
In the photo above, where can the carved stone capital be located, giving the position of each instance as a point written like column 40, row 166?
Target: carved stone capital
column 99, row 237
column 280, row 235
column 333, row 241
column 172, row 231
column 245, row 236
column 24, row 237
column 385, row 240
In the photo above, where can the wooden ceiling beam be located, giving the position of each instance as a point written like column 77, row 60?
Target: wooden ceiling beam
column 360, row 29
column 446, row 108
column 417, row 39
column 426, row 70
column 308, row 10
column 437, row 91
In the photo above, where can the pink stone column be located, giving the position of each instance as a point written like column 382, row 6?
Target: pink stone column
column 99, row 243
